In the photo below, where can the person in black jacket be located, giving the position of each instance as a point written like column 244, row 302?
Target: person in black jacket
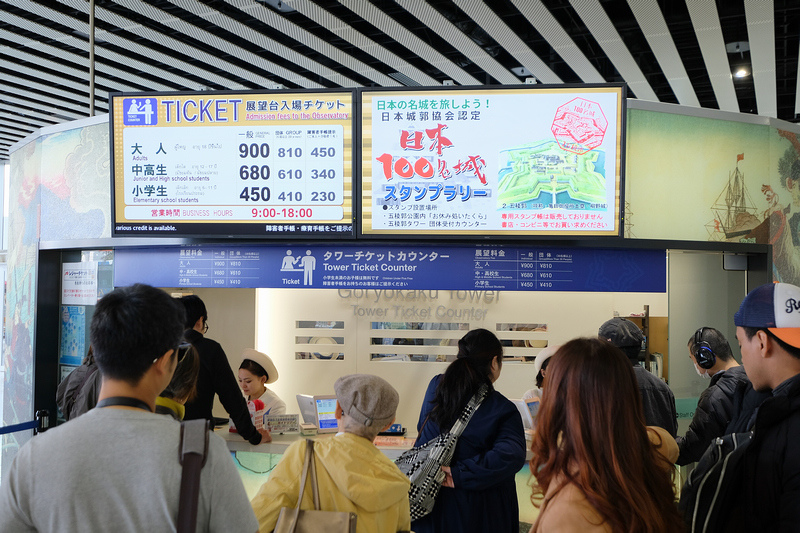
column 768, row 331
column 215, row 376
column 658, row 401
column 712, row 357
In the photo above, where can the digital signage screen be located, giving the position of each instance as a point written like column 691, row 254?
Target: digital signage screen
column 500, row 162
column 234, row 164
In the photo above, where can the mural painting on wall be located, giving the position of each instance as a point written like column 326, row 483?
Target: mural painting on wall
column 23, row 235
column 781, row 219
column 773, row 216
column 715, row 179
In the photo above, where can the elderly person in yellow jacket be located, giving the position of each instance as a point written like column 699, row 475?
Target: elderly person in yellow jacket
column 352, row 474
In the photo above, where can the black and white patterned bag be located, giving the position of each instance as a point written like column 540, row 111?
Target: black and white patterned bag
column 423, row 464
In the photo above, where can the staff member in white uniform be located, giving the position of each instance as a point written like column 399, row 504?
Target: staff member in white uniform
column 255, row 373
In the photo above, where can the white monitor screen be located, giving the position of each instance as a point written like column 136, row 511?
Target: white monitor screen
column 326, row 414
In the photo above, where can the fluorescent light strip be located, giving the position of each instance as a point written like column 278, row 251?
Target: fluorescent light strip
column 390, row 27
column 596, row 20
column 761, row 34
column 450, row 33
column 547, row 25
column 705, row 20
column 651, row 20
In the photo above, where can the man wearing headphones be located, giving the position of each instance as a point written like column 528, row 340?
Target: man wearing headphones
column 713, row 359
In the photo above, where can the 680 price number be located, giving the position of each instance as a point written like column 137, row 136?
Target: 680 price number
column 283, row 212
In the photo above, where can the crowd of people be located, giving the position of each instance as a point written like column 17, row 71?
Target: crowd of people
column 602, row 453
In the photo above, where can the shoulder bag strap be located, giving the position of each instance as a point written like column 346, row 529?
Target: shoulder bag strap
column 193, row 453
column 472, row 406
column 304, row 475
column 313, row 468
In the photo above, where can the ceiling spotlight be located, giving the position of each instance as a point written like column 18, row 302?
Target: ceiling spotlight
column 741, row 72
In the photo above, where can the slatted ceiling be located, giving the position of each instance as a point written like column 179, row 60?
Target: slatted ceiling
column 264, row 42
column 509, row 40
column 191, row 44
column 20, row 121
column 292, row 30
column 547, row 25
column 450, row 33
column 100, row 54
column 27, row 99
column 126, row 44
column 209, row 39
column 346, row 32
column 67, row 98
column 761, row 35
column 705, row 20
column 390, row 27
column 651, row 20
column 66, row 69
column 596, row 20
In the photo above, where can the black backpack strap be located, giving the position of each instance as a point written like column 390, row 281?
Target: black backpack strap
column 193, row 451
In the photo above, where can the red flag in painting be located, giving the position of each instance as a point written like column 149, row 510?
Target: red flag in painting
column 739, row 157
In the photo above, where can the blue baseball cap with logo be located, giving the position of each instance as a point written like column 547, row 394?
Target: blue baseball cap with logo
column 775, row 307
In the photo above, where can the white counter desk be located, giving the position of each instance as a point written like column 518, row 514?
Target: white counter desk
column 255, row 462
column 280, row 442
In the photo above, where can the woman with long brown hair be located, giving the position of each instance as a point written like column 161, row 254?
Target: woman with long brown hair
column 597, row 467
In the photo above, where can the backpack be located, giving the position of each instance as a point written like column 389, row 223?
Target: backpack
column 709, row 495
column 69, row 389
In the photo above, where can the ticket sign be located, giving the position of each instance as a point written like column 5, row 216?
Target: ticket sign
column 503, row 162
column 234, row 164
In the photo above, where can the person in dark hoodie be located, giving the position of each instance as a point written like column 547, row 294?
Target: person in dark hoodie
column 712, row 358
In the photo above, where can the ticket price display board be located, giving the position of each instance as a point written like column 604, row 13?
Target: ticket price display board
column 234, row 164
column 531, row 161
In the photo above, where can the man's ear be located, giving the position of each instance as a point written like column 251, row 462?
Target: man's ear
column 766, row 343
column 164, row 363
column 339, row 411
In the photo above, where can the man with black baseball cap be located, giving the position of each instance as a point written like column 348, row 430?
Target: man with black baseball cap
column 658, row 401
column 768, row 331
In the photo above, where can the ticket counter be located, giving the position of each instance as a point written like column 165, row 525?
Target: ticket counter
column 254, row 463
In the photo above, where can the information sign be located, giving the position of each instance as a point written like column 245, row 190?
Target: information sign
column 543, row 160
column 233, row 164
column 405, row 267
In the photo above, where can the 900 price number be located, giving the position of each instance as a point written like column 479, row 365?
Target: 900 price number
column 254, row 150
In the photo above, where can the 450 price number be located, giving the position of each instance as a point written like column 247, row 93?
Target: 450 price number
column 263, row 194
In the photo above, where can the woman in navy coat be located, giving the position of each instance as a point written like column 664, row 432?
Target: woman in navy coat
column 479, row 493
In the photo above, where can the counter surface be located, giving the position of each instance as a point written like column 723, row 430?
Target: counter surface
column 282, row 441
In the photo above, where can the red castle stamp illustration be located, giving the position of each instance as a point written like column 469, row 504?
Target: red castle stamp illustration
column 579, row 126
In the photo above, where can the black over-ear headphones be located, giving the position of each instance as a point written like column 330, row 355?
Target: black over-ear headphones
column 703, row 353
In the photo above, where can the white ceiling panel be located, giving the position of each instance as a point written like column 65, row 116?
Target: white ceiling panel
column 712, row 45
column 761, row 32
column 672, row 52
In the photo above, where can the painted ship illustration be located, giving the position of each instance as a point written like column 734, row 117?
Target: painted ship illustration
column 734, row 212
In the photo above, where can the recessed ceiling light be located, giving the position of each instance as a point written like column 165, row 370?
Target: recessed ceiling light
column 741, row 73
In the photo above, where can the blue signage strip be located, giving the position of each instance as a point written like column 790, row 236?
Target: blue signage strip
column 422, row 267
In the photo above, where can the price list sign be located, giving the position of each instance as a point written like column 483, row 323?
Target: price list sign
column 233, row 164
column 393, row 268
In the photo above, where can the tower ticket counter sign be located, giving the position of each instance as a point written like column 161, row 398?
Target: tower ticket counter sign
column 500, row 162
column 239, row 164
